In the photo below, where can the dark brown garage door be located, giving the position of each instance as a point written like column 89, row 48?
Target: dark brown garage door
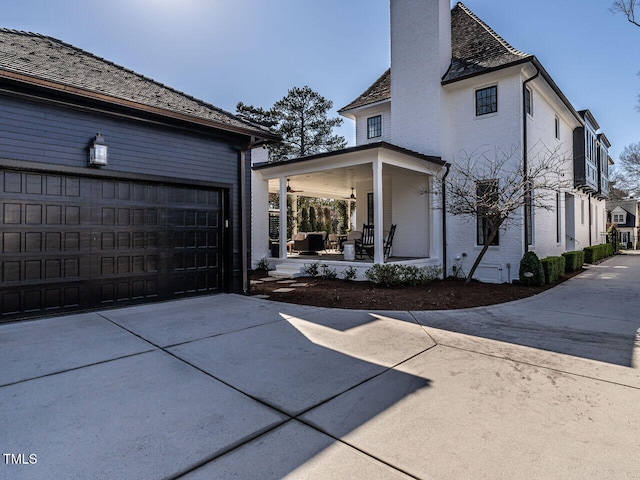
column 75, row 242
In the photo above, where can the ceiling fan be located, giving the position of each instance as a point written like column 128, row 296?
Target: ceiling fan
column 291, row 190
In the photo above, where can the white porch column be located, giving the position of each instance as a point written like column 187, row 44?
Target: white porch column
column 283, row 217
column 294, row 211
column 378, row 220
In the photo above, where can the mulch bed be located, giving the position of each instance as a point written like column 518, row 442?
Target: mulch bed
column 437, row 295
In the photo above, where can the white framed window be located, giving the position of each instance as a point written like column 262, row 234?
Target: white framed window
column 557, row 128
column 486, row 197
column 528, row 101
column 374, row 126
column 558, row 219
column 486, row 100
column 528, row 211
column 618, row 218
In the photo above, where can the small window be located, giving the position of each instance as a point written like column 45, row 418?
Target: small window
column 486, row 100
column 557, row 128
column 528, row 101
column 370, row 208
column 618, row 218
column 486, row 198
column 558, row 219
column 374, row 126
column 528, row 211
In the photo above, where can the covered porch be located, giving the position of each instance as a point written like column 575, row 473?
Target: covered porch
column 386, row 184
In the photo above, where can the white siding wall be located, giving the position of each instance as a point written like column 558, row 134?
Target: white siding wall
column 542, row 143
column 420, row 56
column 361, row 123
column 412, row 224
column 259, row 210
column 467, row 133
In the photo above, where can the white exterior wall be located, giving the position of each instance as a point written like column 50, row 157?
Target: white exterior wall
column 259, row 210
column 420, row 56
column 413, row 225
column 362, row 115
column 467, row 133
column 542, row 143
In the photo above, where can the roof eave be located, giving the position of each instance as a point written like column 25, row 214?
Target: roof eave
column 358, row 148
column 348, row 111
column 95, row 96
column 536, row 63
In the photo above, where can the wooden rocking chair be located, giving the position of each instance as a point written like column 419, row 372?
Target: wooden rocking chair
column 365, row 244
column 388, row 243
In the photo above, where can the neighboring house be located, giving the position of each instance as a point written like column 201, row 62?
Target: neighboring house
column 454, row 86
column 625, row 215
column 156, row 216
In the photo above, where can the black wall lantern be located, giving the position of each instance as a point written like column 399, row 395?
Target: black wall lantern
column 98, row 151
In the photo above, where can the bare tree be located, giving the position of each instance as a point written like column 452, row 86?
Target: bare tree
column 628, row 169
column 491, row 188
column 619, row 186
column 627, row 7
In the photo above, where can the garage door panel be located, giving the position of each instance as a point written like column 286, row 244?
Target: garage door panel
column 72, row 242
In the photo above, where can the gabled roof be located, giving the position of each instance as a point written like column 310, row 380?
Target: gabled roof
column 475, row 49
column 46, row 62
column 588, row 116
column 378, row 92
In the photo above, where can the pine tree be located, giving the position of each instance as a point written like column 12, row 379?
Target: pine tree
column 301, row 119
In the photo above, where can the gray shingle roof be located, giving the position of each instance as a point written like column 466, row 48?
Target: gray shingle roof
column 47, row 60
column 475, row 48
column 379, row 91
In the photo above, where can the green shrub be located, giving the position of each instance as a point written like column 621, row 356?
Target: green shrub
column 553, row 268
column 531, row 264
column 591, row 254
column 575, row 260
column 349, row 273
column 312, row 270
column 562, row 265
column 328, row 272
column 608, row 249
column 597, row 252
column 393, row 275
column 263, row 264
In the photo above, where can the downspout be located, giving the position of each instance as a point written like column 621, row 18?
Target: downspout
column 243, row 214
column 444, row 221
column 525, row 163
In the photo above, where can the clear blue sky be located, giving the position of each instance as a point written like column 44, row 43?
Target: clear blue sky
column 225, row 51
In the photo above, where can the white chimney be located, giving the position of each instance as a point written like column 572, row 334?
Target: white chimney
column 420, row 56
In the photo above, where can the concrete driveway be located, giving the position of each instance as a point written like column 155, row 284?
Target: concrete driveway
column 234, row 387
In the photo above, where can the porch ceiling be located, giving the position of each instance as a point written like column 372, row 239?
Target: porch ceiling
column 333, row 183
column 334, row 174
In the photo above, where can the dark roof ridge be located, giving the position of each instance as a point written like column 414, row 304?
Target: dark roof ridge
column 124, row 69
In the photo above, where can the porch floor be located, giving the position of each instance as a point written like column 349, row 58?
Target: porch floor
column 335, row 256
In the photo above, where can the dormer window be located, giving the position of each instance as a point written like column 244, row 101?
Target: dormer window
column 374, row 126
column 486, row 100
column 618, row 218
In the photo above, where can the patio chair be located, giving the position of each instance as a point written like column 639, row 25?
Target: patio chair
column 333, row 241
column 388, row 243
column 365, row 244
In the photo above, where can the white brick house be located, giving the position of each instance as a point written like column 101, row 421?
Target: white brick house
column 455, row 86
